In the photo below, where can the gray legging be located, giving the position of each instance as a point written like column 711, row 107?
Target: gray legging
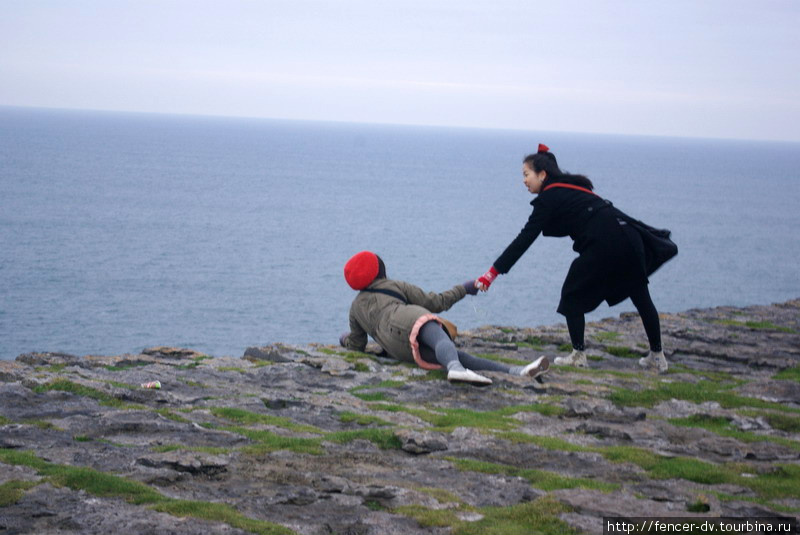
column 436, row 347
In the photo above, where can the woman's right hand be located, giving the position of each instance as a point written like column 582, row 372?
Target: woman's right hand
column 486, row 280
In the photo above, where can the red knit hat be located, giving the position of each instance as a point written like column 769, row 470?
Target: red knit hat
column 361, row 270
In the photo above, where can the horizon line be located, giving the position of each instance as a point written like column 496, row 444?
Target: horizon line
column 376, row 123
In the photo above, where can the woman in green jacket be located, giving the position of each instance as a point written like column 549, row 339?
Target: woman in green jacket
column 402, row 319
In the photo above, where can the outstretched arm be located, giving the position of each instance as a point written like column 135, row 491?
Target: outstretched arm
column 435, row 302
column 516, row 248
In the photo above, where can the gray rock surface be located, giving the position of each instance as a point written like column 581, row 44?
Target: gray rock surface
column 318, row 440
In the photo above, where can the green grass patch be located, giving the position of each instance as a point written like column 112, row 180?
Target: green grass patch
column 533, row 342
column 373, row 396
column 118, row 384
column 639, row 376
column 540, row 479
column 361, row 419
column 432, row 375
column 231, row 369
column 383, row 438
column 784, row 422
column 41, row 424
column 722, row 426
column 761, row 501
column 167, row 413
column 64, row 385
column 758, row 325
column 565, row 348
column 374, row 505
column 80, row 478
column 447, row 419
column 529, row 518
column 698, row 506
column 698, row 392
column 545, row 409
column 4, row 420
column 350, row 356
column 360, row 367
column 82, row 438
column 595, row 358
column 623, row 352
column 267, row 441
column 245, row 417
column 101, row 484
column 789, row 374
column 498, row 358
column 428, row 518
column 220, row 512
column 723, row 377
column 606, row 336
column 13, row 491
column 782, row 482
column 550, row 443
column 192, row 383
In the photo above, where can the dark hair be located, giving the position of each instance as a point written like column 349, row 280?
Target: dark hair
column 546, row 161
column 381, row 268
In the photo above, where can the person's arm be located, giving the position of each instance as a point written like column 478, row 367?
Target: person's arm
column 435, row 302
column 356, row 339
column 517, row 248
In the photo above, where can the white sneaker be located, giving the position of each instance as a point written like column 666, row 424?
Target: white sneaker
column 655, row 361
column 467, row 376
column 536, row 368
column 576, row 358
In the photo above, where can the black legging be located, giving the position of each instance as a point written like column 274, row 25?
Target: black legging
column 644, row 305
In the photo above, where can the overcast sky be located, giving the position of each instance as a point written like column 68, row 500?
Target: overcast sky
column 717, row 68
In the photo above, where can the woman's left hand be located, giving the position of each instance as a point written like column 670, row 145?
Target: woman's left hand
column 486, row 280
column 342, row 338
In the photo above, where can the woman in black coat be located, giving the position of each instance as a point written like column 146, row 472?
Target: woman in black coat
column 611, row 265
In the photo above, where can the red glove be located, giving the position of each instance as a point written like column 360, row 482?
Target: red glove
column 485, row 280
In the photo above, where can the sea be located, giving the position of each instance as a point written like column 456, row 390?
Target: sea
column 122, row 231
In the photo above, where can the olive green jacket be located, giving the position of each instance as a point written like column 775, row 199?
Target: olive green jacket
column 389, row 321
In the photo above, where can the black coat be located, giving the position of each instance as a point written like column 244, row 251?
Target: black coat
column 611, row 261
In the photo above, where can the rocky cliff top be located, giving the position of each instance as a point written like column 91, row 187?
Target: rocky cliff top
column 316, row 440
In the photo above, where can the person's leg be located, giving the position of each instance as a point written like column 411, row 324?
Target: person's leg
column 647, row 310
column 576, row 324
column 534, row 369
column 652, row 326
column 476, row 363
column 432, row 335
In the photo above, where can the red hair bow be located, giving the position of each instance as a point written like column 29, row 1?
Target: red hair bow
column 543, row 148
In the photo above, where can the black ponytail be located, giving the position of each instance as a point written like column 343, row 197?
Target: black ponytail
column 546, row 161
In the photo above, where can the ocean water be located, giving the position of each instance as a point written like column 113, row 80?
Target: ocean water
column 124, row 231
